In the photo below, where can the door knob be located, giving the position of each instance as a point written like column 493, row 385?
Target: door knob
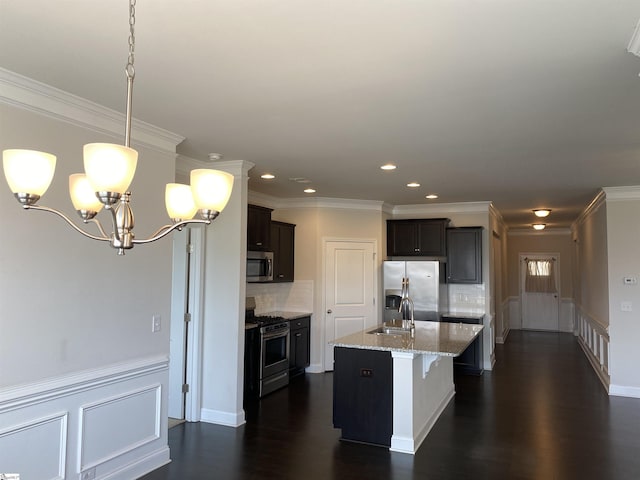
column 329, row 311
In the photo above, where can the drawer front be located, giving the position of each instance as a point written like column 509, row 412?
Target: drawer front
column 299, row 323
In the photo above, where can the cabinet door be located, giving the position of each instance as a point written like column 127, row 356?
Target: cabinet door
column 282, row 241
column 464, row 259
column 431, row 238
column 401, row 238
column 258, row 228
column 469, row 361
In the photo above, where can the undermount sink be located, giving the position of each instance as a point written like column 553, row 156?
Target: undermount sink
column 390, row 330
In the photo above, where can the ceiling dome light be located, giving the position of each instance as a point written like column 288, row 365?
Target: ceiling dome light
column 542, row 212
column 268, row 176
column 309, row 190
column 431, row 196
column 413, row 184
column 388, row 166
column 539, row 226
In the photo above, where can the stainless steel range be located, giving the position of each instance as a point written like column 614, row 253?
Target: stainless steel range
column 266, row 353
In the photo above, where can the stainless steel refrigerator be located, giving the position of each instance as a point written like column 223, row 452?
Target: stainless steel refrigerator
column 427, row 289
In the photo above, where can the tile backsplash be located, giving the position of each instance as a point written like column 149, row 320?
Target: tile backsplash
column 286, row 297
column 467, row 298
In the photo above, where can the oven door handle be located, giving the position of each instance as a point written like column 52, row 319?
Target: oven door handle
column 279, row 333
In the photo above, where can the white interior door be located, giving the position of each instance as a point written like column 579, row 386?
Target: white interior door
column 178, row 332
column 539, row 291
column 349, row 289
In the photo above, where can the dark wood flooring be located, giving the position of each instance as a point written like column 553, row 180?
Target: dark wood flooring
column 540, row 414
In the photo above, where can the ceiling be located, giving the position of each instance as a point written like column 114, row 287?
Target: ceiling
column 525, row 103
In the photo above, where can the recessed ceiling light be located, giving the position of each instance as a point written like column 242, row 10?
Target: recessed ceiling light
column 413, row 184
column 267, row 176
column 309, row 190
column 539, row 226
column 431, row 196
column 542, row 212
column 388, row 166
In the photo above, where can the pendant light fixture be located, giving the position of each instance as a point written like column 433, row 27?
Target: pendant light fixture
column 109, row 170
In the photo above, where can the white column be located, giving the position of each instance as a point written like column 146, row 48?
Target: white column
column 422, row 388
column 224, row 305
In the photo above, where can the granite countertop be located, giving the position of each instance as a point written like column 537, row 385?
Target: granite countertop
column 287, row 315
column 462, row 315
column 447, row 339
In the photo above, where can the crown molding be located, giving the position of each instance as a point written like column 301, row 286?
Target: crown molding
column 634, row 43
column 31, row 95
column 328, row 202
column 442, row 208
column 622, row 193
column 595, row 204
column 517, row 232
column 185, row 164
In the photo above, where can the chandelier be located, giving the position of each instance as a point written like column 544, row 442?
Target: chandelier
column 109, row 170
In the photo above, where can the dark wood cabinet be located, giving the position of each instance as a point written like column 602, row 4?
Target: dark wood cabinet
column 282, row 244
column 258, row 228
column 464, row 255
column 422, row 237
column 469, row 361
column 363, row 395
column 299, row 346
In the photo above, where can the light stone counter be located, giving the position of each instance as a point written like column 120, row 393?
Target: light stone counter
column 445, row 339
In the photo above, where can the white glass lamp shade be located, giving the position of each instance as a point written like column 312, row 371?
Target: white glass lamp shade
column 539, row 226
column 542, row 212
column 82, row 194
column 109, row 167
column 211, row 188
column 28, row 171
column 179, row 201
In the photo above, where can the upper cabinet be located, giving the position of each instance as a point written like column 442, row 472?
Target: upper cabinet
column 422, row 237
column 258, row 228
column 464, row 259
column 282, row 244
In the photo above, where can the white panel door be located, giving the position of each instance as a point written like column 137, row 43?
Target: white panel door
column 349, row 291
column 540, row 308
column 178, row 327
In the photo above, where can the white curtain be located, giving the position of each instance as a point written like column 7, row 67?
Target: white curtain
column 540, row 276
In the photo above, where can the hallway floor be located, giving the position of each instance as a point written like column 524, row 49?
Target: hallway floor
column 540, row 414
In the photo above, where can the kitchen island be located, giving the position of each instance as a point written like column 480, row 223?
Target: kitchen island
column 389, row 389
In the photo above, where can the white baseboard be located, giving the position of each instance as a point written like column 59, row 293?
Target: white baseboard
column 219, row 417
column 623, row 391
column 315, row 368
column 140, row 466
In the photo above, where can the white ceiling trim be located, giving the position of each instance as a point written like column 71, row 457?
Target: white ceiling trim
column 634, row 44
column 37, row 97
column 438, row 208
column 327, row 202
column 622, row 193
column 531, row 231
column 593, row 207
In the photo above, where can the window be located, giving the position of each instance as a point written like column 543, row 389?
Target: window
column 540, row 276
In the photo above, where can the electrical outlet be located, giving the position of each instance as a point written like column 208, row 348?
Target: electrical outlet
column 156, row 324
column 626, row 307
column 632, row 280
column 88, row 474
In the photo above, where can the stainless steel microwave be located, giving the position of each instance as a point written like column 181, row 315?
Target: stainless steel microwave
column 259, row 267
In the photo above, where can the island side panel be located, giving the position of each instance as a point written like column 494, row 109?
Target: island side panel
column 423, row 387
column 363, row 395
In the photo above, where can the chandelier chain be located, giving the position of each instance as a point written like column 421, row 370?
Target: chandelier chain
column 132, row 39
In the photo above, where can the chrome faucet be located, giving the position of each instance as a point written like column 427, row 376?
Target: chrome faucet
column 406, row 308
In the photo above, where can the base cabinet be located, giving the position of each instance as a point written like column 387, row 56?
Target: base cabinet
column 470, row 361
column 299, row 346
column 363, row 395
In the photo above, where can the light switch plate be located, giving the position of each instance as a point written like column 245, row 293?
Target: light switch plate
column 626, row 307
column 631, row 280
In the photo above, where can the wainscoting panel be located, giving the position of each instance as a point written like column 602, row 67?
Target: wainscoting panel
column 565, row 315
column 111, row 427
column 47, row 437
column 103, row 424
column 593, row 337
